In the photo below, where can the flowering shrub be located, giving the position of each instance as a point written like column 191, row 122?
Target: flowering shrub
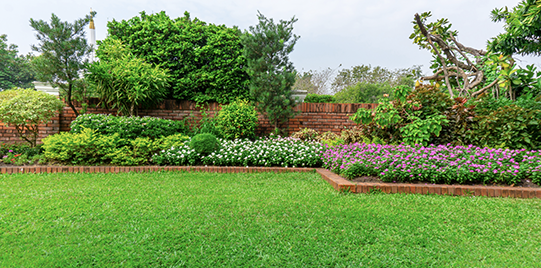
column 25, row 109
column 285, row 152
column 435, row 164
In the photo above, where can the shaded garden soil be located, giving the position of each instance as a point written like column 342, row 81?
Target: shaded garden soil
column 375, row 179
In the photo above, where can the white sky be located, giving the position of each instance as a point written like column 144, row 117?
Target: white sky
column 332, row 32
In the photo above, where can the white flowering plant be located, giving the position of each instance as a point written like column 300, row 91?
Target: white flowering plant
column 284, row 152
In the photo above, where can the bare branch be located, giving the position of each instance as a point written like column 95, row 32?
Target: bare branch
column 480, row 91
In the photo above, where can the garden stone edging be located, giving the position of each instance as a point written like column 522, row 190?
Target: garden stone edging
column 336, row 181
column 117, row 169
column 342, row 184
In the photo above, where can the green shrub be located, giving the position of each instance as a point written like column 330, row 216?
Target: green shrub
column 26, row 109
column 363, row 92
column 237, row 120
column 128, row 127
column 166, row 142
column 90, row 147
column 306, row 134
column 137, row 153
column 315, row 98
column 204, row 143
column 86, row 147
column 353, row 135
column 328, row 136
column 431, row 99
column 509, row 127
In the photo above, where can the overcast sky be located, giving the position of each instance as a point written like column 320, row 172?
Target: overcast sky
column 332, row 32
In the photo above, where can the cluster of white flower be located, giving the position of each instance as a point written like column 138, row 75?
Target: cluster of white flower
column 285, row 152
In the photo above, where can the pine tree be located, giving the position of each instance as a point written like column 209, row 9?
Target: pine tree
column 266, row 49
column 64, row 52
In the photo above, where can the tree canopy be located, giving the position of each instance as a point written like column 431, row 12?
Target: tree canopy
column 64, row 52
column 125, row 81
column 522, row 29
column 205, row 61
column 15, row 70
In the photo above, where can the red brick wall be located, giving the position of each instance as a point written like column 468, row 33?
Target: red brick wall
column 319, row 116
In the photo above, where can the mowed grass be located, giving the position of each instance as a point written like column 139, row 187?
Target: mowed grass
column 175, row 219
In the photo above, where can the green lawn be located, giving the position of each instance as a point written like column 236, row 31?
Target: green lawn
column 288, row 220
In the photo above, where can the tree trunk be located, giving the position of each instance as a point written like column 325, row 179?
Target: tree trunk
column 68, row 100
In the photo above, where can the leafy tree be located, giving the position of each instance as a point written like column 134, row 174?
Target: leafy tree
column 367, row 74
column 15, row 70
column 124, row 80
column 363, row 92
column 26, row 109
column 266, row 48
column 459, row 66
column 315, row 82
column 204, row 60
column 64, row 52
column 522, row 29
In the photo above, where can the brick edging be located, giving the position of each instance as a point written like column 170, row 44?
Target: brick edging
column 341, row 184
column 117, row 169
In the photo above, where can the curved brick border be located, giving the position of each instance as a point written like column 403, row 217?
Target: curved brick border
column 342, row 184
column 114, row 169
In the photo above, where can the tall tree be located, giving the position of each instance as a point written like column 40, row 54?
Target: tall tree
column 15, row 70
column 367, row 74
column 64, row 52
column 125, row 81
column 266, row 48
column 522, row 29
column 315, row 82
column 458, row 65
column 204, row 60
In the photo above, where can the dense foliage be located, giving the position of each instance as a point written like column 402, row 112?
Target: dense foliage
column 204, row 60
column 435, row 164
column 266, row 48
column 124, row 81
column 15, row 70
column 316, row 98
column 26, row 109
column 363, row 93
column 90, row 147
column 128, row 127
column 285, row 152
column 522, row 29
column 204, row 143
column 426, row 115
column 20, row 154
column 380, row 76
column 237, row 120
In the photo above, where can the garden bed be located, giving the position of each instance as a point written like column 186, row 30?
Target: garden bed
column 341, row 184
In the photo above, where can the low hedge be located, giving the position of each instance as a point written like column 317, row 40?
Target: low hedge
column 128, row 127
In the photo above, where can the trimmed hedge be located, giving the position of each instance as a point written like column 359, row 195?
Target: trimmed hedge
column 128, row 127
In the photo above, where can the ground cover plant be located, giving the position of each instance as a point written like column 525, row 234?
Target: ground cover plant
column 20, row 154
column 284, row 152
column 436, row 164
column 170, row 219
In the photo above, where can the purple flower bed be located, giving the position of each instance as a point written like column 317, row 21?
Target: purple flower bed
column 435, row 164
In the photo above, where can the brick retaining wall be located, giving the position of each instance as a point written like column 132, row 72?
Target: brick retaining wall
column 319, row 116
